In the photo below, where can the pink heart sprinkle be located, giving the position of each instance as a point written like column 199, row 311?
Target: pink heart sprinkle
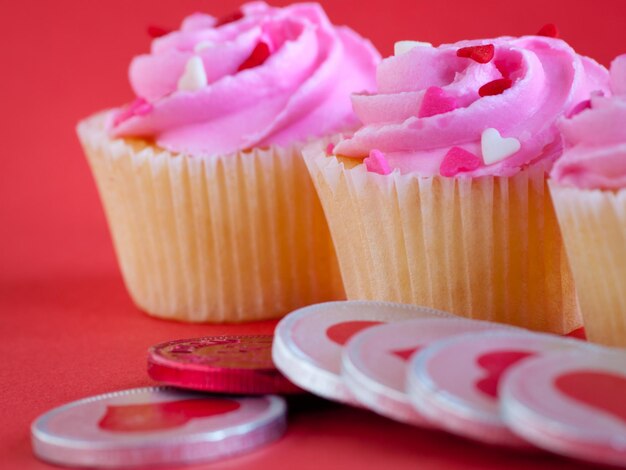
column 435, row 101
column 458, row 160
column 121, row 116
column 377, row 163
column 139, row 107
column 329, row 148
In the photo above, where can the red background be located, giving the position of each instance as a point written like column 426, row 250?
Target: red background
column 67, row 326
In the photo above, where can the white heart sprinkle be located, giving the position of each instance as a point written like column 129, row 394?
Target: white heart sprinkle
column 194, row 76
column 495, row 147
column 402, row 47
column 202, row 45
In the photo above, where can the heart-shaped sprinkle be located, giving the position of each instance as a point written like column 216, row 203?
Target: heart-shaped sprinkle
column 481, row 54
column 377, row 163
column 402, row 47
column 120, row 117
column 495, row 87
column 579, row 108
column 548, row 30
column 495, row 147
column 436, row 101
column 157, row 31
column 194, row 76
column 230, row 18
column 139, row 107
column 458, row 160
column 257, row 57
column 329, row 148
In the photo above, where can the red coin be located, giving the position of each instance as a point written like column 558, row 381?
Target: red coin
column 224, row 364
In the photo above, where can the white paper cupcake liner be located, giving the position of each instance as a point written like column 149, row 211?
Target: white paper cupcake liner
column 593, row 223
column 227, row 238
column 486, row 248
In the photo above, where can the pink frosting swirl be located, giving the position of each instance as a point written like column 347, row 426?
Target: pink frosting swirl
column 436, row 103
column 595, row 139
column 268, row 76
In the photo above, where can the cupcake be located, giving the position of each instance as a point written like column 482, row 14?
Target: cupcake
column 210, row 206
column 441, row 199
column 588, row 186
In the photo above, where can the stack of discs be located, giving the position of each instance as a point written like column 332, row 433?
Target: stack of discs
column 489, row 382
column 455, row 381
column 309, row 342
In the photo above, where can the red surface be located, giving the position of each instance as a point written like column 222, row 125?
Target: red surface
column 67, row 326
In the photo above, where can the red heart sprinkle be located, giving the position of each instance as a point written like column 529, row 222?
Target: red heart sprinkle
column 435, row 101
column 458, row 160
column 377, row 163
column 549, row 30
column 495, row 87
column 481, row 54
column 157, row 31
column 257, row 57
column 579, row 108
column 330, row 148
column 230, row 18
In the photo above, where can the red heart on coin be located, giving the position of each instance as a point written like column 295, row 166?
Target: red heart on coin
column 165, row 415
column 342, row 332
column 405, row 354
column 496, row 363
column 600, row 390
